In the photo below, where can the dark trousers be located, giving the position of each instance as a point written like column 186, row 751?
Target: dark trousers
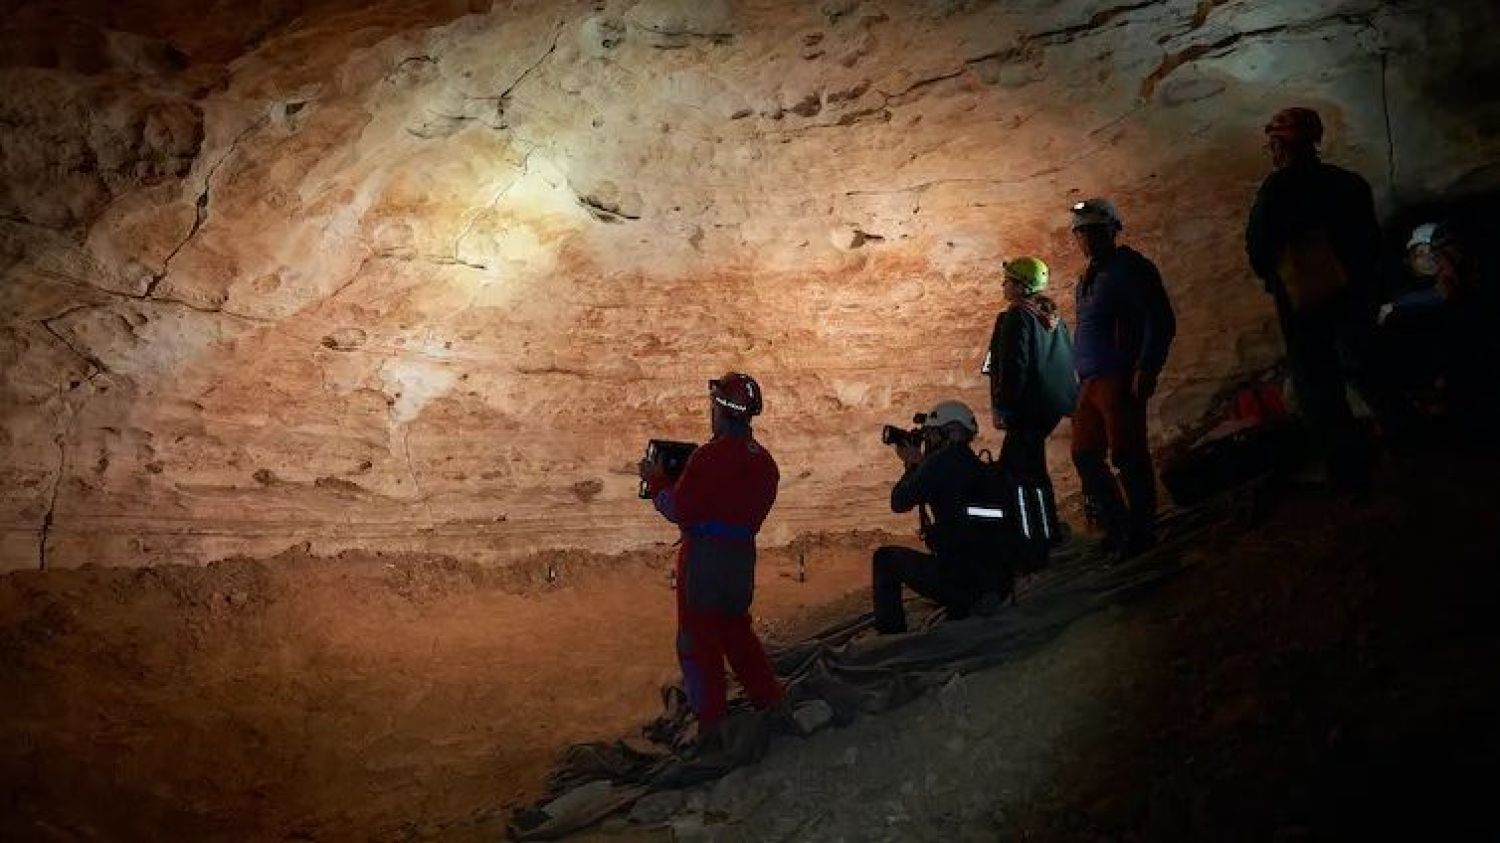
column 1327, row 350
column 894, row 567
column 1023, row 457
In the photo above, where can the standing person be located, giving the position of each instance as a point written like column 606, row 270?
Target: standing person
column 1314, row 241
column 1032, row 380
column 720, row 500
column 1125, row 329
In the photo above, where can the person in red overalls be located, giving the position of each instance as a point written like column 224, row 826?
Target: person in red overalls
column 719, row 502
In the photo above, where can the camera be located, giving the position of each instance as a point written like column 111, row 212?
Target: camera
column 670, row 456
column 893, row 435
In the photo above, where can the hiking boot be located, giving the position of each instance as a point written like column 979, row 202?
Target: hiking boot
column 988, row 605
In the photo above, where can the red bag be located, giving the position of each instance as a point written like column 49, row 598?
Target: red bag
column 1258, row 404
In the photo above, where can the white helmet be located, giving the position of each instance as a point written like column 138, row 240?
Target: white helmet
column 952, row 411
column 1422, row 235
column 1097, row 211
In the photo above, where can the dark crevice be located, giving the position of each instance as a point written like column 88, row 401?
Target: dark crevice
column 1173, row 60
column 409, row 60
column 604, row 211
column 96, row 365
column 44, row 532
column 1390, row 135
column 454, row 259
column 200, row 210
column 1098, row 20
column 156, row 300
column 503, row 99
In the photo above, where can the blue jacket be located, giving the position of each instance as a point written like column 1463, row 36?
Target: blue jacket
column 1124, row 319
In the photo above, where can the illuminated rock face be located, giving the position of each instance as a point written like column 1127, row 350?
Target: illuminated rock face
column 426, row 275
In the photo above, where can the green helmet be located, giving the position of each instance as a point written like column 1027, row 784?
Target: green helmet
column 1027, row 271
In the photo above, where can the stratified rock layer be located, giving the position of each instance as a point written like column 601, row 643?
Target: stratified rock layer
column 425, row 275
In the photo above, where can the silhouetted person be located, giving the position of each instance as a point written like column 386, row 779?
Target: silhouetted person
column 720, row 500
column 1468, row 280
column 1032, row 381
column 941, row 477
column 1314, row 241
column 1124, row 332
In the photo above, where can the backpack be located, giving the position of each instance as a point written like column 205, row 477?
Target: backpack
column 1310, row 269
column 1010, row 519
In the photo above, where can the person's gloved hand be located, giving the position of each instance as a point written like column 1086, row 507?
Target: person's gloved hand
column 909, row 452
column 1144, row 385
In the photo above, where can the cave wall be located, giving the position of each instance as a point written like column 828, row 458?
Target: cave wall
column 425, row 275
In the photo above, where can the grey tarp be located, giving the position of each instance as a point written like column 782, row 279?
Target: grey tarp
column 849, row 675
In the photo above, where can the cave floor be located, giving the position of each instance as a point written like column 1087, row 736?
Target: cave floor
column 1325, row 672
column 357, row 697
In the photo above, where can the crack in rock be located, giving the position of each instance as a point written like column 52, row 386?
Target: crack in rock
column 200, row 211
column 503, row 99
column 44, row 531
column 923, row 187
column 1173, row 60
column 604, row 210
column 1098, row 20
column 82, row 284
column 95, row 364
column 458, row 241
column 407, row 62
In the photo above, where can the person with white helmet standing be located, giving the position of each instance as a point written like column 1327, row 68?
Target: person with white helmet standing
column 1125, row 326
column 1032, row 386
column 941, row 476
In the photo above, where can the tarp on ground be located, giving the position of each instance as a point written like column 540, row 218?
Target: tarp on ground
column 838, row 675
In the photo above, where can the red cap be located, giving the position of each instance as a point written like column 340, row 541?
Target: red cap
column 738, row 393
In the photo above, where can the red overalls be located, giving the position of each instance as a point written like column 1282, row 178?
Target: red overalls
column 719, row 501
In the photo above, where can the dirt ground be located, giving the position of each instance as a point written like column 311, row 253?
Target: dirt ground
column 1330, row 674
column 1326, row 672
column 358, row 697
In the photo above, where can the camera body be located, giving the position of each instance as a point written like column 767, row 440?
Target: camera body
column 893, row 435
column 668, row 455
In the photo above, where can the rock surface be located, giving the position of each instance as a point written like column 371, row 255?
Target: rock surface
column 424, row 275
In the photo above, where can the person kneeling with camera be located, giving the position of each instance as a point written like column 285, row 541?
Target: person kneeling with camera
column 941, row 478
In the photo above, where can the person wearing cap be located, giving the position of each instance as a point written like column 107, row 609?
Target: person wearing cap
column 719, row 502
column 1124, row 331
column 1313, row 239
column 1032, row 379
column 1421, row 259
column 940, row 478
column 1468, row 279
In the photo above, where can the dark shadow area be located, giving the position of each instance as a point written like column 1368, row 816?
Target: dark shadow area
column 1330, row 677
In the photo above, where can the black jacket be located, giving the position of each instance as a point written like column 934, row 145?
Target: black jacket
column 1313, row 195
column 1032, row 380
column 946, row 482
